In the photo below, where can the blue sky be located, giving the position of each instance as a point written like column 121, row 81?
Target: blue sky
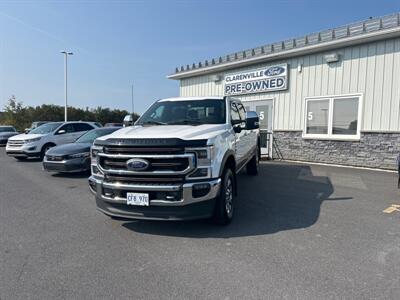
column 120, row 42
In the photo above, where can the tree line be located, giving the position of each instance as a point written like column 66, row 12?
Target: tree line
column 21, row 117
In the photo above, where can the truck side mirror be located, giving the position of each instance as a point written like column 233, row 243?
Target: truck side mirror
column 237, row 129
column 252, row 120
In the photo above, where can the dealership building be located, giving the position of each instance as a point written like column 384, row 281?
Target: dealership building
column 331, row 96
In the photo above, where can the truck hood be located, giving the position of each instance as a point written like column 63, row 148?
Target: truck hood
column 184, row 132
column 23, row 137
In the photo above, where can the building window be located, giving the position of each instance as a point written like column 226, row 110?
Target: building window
column 336, row 117
column 317, row 117
column 345, row 116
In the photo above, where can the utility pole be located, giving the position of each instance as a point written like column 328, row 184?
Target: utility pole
column 66, row 53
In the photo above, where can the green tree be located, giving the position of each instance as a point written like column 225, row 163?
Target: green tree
column 16, row 114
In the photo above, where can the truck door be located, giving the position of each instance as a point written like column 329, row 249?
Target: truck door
column 250, row 136
column 240, row 143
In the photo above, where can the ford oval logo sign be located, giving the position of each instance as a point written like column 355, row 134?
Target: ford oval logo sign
column 137, row 164
column 273, row 71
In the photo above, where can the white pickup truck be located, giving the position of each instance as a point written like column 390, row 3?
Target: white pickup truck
column 178, row 162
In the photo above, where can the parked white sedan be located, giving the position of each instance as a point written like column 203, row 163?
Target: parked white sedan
column 41, row 139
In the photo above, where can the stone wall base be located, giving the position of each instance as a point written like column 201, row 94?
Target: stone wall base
column 373, row 150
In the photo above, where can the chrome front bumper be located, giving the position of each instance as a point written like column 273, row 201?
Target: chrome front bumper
column 186, row 189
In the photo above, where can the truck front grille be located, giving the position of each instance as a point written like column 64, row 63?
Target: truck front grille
column 156, row 164
column 159, row 165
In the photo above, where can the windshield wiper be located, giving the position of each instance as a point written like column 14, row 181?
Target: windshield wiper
column 153, row 123
column 186, row 122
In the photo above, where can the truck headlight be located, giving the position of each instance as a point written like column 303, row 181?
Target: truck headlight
column 94, row 151
column 200, row 173
column 204, row 155
column 204, row 159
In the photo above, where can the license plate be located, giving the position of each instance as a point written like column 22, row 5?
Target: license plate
column 139, row 199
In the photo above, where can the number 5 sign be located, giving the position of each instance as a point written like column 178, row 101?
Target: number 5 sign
column 310, row 116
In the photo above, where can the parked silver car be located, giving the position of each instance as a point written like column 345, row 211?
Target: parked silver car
column 41, row 139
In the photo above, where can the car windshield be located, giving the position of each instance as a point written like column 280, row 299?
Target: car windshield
column 90, row 136
column 46, row 128
column 185, row 112
column 7, row 129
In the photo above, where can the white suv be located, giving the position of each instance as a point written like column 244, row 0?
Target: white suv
column 42, row 138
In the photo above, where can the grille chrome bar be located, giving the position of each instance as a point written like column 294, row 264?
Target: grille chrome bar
column 129, row 179
column 142, row 187
column 155, row 156
column 131, row 150
column 155, row 164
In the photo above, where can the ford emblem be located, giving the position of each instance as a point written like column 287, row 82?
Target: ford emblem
column 137, row 164
column 273, row 71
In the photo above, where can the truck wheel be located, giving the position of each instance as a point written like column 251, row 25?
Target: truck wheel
column 253, row 165
column 224, row 204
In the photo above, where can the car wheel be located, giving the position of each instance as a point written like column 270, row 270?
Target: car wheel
column 45, row 149
column 254, row 164
column 224, row 204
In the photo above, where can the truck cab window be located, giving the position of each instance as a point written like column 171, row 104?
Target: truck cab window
column 242, row 112
column 235, row 117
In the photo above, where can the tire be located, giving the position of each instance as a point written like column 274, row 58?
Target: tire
column 45, row 148
column 254, row 164
column 224, row 204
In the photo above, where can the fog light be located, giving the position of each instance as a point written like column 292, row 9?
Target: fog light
column 200, row 190
column 32, row 148
column 173, row 196
column 108, row 193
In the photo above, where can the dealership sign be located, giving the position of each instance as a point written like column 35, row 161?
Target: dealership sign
column 257, row 81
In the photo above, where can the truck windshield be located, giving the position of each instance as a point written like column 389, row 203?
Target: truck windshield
column 185, row 112
column 46, row 128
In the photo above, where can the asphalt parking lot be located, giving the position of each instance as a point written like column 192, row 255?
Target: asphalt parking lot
column 300, row 232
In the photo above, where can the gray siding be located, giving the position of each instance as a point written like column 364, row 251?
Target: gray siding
column 373, row 150
column 372, row 69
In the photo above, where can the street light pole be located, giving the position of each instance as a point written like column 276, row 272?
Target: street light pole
column 66, row 53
